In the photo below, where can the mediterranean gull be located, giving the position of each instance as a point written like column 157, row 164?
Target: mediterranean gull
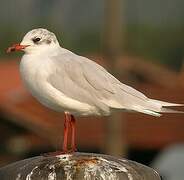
column 75, row 85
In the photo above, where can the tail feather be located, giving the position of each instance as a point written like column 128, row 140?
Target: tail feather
column 156, row 107
column 163, row 103
column 167, row 104
column 146, row 111
column 167, row 110
column 150, row 112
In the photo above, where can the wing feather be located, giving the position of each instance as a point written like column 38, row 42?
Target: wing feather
column 87, row 81
column 84, row 80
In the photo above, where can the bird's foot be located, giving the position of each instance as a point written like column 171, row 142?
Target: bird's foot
column 50, row 154
column 72, row 150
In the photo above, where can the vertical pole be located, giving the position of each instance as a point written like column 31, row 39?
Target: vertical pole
column 115, row 125
column 112, row 31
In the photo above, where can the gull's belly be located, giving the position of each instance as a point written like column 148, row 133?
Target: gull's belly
column 56, row 100
column 35, row 79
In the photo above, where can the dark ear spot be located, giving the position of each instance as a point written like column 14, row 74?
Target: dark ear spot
column 48, row 41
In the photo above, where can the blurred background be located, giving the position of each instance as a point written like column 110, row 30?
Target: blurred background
column 141, row 42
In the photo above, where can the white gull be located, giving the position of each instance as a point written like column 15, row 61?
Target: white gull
column 75, row 85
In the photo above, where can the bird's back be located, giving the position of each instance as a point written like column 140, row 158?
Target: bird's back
column 96, row 86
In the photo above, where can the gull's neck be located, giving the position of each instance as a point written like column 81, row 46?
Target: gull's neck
column 44, row 50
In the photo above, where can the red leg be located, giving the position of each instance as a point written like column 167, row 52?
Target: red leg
column 73, row 143
column 66, row 131
column 69, row 126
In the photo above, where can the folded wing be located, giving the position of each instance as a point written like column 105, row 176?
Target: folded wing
column 86, row 81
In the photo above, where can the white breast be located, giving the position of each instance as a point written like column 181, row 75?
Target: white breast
column 34, row 73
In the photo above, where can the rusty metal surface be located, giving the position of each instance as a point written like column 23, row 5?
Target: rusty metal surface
column 77, row 166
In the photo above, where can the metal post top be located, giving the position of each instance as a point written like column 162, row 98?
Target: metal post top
column 77, row 166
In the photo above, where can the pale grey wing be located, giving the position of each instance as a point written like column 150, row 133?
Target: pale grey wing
column 121, row 96
column 71, row 78
column 85, row 81
column 90, row 67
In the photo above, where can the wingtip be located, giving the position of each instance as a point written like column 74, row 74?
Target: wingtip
column 168, row 110
column 166, row 104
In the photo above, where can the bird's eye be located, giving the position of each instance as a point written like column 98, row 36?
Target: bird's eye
column 35, row 40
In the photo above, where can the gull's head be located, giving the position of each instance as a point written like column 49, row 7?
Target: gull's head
column 36, row 40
